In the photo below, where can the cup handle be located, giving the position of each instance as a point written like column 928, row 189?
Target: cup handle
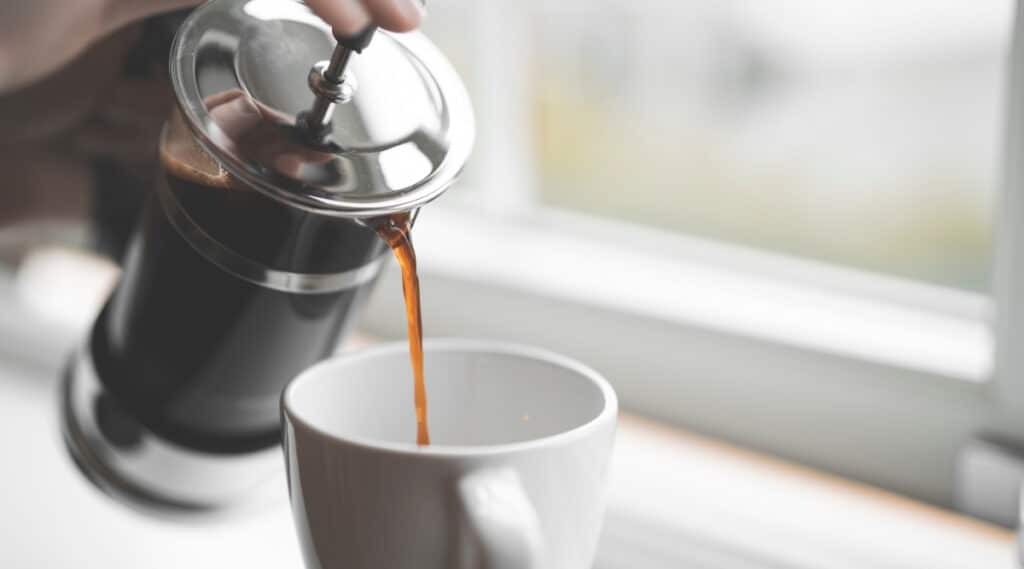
column 504, row 532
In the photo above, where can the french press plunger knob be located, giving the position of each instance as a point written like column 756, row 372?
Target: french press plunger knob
column 330, row 83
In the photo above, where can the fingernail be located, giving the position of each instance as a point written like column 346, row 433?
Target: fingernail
column 409, row 9
column 352, row 18
column 412, row 11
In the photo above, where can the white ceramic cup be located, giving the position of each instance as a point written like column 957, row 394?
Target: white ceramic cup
column 514, row 479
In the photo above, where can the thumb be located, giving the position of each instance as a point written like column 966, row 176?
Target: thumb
column 349, row 17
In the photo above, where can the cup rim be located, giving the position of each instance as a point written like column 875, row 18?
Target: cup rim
column 608, row 412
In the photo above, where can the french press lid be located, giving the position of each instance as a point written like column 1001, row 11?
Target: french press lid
column 245, row 71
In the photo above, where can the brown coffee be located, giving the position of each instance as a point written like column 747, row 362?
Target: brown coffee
column 199, row 352
column 397, row 232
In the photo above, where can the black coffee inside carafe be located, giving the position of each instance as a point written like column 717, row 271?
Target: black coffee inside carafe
column 199, row 352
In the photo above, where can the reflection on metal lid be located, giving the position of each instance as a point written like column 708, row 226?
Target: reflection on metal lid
column 404, row 165
column 240, row 70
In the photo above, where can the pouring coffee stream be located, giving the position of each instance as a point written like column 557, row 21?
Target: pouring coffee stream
column 397, row 232
column 331, row 87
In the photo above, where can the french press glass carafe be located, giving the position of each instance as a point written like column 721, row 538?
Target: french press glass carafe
column 257, row 246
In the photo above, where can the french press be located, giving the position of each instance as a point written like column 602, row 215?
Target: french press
column 257, row 246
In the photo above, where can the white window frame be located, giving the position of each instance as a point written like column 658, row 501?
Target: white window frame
column 873, row 378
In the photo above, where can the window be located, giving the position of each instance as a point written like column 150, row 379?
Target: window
column 769, row 223
column 825, row 130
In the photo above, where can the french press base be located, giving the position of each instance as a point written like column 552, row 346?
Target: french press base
column 138, row 467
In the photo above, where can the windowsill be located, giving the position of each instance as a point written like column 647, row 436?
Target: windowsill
column 681, row 500
column 676, row 500
column 729, row 289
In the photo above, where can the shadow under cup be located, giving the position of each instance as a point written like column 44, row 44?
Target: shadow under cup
column 365, row 495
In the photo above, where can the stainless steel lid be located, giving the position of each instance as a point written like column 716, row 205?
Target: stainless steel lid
column 240, row 71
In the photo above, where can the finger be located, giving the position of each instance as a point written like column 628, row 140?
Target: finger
column 396, row 15
column 347, row 17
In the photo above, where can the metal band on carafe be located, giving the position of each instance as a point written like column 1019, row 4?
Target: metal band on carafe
column 253, row 272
